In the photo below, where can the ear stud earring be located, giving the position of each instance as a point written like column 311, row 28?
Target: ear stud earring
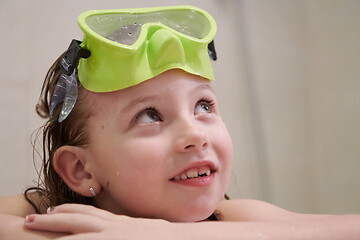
column 92, row 191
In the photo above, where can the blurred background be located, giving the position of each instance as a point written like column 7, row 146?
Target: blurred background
column 287, row 81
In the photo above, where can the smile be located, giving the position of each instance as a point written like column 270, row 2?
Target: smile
column 198, row 173
column 193, row 173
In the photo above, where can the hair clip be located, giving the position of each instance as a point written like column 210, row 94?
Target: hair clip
column 66, row 89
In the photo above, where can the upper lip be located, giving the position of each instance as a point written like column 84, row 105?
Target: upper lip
column 198, row 164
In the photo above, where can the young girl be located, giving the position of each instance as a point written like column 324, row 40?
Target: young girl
column 136, row 143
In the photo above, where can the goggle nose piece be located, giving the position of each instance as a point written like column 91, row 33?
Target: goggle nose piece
column 164, row 49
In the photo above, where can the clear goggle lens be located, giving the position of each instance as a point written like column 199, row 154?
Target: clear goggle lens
column 125, row 28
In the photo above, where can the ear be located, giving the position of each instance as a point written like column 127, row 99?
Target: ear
column 70, row 163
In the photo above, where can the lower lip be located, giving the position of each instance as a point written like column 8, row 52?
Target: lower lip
column 197, row 182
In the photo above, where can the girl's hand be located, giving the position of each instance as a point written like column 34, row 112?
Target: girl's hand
column 88, row 222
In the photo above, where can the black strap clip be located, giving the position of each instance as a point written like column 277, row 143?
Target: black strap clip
column 72, row 56
column 211, row 51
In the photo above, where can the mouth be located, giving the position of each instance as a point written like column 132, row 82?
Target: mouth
column 195, row 172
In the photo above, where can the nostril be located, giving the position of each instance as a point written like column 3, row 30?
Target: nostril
column 189, row 146
column 193, row 146
column 192, row 140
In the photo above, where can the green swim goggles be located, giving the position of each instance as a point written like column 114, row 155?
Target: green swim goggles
column 122, row 48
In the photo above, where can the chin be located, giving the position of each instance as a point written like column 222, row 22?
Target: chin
column 195, row 217
column 192, row 213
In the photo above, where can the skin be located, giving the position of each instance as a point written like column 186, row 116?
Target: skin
column 148, row 134
column 141, row 151
column 240, row 219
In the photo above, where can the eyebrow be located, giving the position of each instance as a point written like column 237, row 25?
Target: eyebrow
column 154, row 97
column 140, row 100
column 204, row 86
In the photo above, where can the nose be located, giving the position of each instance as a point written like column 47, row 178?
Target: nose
column 191, row 136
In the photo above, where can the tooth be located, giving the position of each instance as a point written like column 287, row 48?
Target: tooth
column 203, row 171
column 183, row 176
column 192, row 173
column 208, row 172
column 177, row 178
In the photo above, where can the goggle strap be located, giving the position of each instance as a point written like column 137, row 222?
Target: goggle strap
column 72, row 56
column 211, row 50
column 65, row 92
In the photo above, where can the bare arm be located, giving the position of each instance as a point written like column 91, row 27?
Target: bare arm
column 256, row 219
column 264, row 222
column 12, row 228
column 15, row 205
column 13, row 210
column 255, row 210
column 328, row 228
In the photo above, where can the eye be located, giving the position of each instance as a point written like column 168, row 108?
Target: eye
column 148, row 115
column 204, row 106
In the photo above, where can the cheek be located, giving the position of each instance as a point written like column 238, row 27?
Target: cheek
column 138, row 162
column 145, row 153
column 137, row 176
column 224, row 149
column 130, row 165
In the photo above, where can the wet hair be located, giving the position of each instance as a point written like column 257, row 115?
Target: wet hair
column 51, row 189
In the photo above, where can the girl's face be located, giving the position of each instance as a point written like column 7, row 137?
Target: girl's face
column 160, row 149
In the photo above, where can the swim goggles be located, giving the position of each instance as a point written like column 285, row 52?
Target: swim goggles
column 122, row 48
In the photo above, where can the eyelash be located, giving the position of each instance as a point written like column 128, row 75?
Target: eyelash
column 207, row 101
column 141, row 113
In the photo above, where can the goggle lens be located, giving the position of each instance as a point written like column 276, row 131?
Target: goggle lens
column 125, row 28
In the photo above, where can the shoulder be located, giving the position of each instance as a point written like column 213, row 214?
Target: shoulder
column 252, row 210
column 15, row 205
